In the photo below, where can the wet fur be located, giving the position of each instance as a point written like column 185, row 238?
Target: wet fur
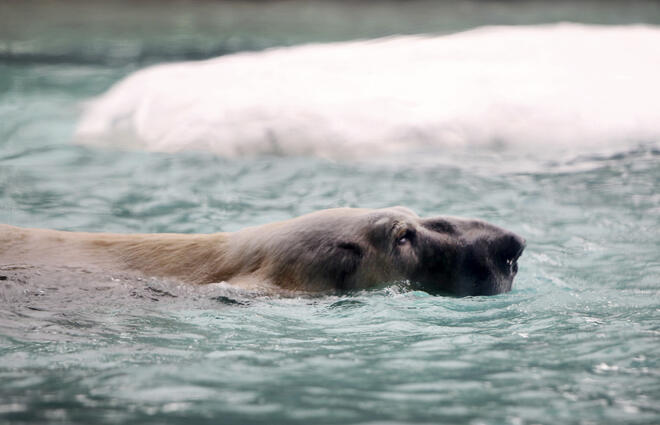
column 327, row 251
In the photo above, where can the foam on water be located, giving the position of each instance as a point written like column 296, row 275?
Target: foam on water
column 563, row 85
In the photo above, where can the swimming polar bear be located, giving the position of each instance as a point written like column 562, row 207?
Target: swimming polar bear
column 328, row 251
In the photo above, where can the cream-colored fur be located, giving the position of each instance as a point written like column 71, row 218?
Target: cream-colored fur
column 191, row 258
column 326, row 251
column 246, row 258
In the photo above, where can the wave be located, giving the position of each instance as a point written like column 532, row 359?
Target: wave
column 558, row 85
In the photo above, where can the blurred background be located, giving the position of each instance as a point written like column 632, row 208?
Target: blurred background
column 127, row 33
column 55, row 56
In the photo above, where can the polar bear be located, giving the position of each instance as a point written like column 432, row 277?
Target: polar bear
column 328, row 251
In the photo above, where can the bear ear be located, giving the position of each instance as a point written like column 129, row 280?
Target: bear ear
column 348, row 256
column 352, row 247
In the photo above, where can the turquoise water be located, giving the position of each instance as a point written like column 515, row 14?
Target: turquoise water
column 576, row 341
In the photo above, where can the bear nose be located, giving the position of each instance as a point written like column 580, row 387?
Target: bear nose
column 509, row 247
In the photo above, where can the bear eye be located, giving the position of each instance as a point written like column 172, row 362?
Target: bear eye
column 405, row 238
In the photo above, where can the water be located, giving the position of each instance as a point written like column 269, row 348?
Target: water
column 576, row 341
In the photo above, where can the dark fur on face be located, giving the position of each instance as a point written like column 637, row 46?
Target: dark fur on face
column 353, row 249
